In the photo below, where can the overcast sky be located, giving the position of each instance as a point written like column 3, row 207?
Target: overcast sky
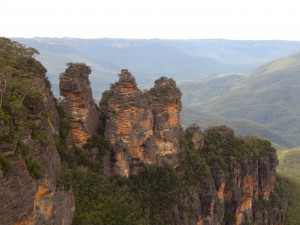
column 172, row 19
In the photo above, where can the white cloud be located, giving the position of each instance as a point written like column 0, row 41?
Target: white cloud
column 232, row 19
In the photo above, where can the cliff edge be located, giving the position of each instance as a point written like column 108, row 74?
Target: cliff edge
column 30, row 164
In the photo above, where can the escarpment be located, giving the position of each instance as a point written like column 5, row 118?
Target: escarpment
column 159, row 172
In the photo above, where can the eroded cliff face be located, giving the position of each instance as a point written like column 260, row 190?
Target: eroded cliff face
column 241, row 191
column 142, row 127
column 29, row 192
column 78, row 103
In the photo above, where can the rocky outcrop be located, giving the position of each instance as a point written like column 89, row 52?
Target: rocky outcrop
column 78, row 102
column 141, row 127
column 165, row 101
column 236, row 192
column 240, row 192
column 144, row 129
column 17, row 191
column 53, row 207
column 195, row 137
column 128, row 123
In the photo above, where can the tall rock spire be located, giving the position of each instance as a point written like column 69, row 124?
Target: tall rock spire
column 79, row 104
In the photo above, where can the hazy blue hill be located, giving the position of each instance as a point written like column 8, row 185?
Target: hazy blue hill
column 269, row 96
column 241, row 127
column 198, row 92
column 150, row 59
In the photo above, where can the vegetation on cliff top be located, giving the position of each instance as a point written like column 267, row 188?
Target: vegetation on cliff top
column 20, row 75
column 221, row 144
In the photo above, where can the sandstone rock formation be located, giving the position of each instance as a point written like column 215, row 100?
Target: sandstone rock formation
column 194, row 134
column 78, row 102
column 214, row 177
column 165, row 101
column 241, row 193
column 142, row 127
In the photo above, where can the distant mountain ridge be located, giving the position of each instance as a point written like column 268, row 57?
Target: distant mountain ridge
column 150, row 59
column 269, row 96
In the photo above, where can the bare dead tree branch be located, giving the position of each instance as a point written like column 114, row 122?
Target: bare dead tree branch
column 27, row 93
column 3, row 82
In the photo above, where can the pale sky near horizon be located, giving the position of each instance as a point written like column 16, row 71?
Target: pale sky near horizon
column 166, row 19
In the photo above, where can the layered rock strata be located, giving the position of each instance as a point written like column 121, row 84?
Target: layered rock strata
column 142, row 127
column 28, row 200
column 239, row 194
column 78, row 103
column 165, row 102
